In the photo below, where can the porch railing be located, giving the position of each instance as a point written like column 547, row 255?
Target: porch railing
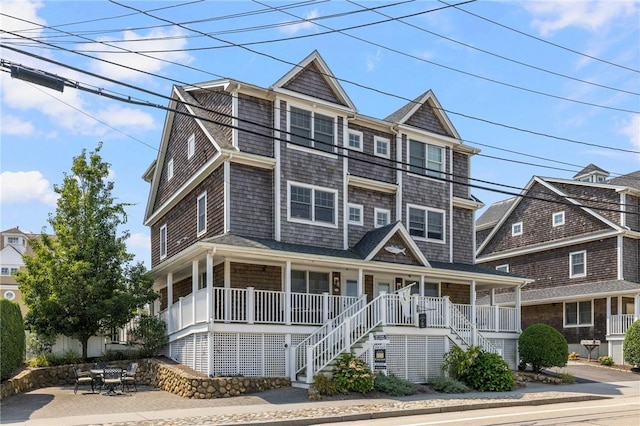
column 619, row 324
column 466, row 331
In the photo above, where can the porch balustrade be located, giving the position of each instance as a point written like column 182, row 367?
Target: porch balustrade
column 619, row 324
column 250, row 306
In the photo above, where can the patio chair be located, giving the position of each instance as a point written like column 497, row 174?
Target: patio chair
column 111, row 378
column 129, row 376
column 82, row 378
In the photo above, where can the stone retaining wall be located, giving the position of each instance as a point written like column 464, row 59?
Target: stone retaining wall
column 172, row 378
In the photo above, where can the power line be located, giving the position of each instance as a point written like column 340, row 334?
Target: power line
column 392, row 164
column 539, row 39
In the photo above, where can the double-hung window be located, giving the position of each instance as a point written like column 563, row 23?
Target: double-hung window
column 355, row 214
column 426, row 223
column 311, row 129
column 163, row 241
column 312, row 204
column 578, row 314
column 309, row 282
column 202, row 213
column 578, row 264
column 425, row 159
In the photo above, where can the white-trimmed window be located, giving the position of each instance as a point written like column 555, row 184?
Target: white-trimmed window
column 426, row 159
column 558, row 218
column 578, row 264
column 191, row 145
column 311, row 129
column 354, row 140
column 312, row 204
column 163, row 241
column 382, row 147
column 382, row 217
column 309, row 282
column 355, row 214
column 9, row 295
column 4, row 270
column 202, row 213
column 13, row 240
column 425, row 224
column 170, row 169
column 503, row 268
column 516, row 229
column 578, row 314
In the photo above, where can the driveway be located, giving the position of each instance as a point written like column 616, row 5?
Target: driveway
column 590, row 373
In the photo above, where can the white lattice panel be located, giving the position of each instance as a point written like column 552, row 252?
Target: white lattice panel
column 188, row 351
column 416, row 356
column 201, row 362
column 177, row 350
column 396, row 356
column 274, row 355
column 510, row 353
column 224, row 354
column 435, row 355
column 250, row 355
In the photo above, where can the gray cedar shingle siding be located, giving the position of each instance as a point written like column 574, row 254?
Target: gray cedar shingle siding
column 536, row 218
column 550, row 268
column 369, row 200
column 460, row 175
column 259, row 111
column 631, row 257
column 633, row 217
column 310, row 81
column 425, row 118
column 461, row 238
column 261, row 277
column 220, row 101
column 251, row 198
column 373, row 167
column 595, row 198
column 181, row 220
column 183, row 168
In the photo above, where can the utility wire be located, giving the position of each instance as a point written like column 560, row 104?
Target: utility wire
column 538, row 38
column 378, row 162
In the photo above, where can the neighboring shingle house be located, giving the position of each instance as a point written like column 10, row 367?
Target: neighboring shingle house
column 581, row 247
column 285, row 226
column 13, row 244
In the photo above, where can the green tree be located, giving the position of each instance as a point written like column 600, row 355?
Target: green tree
column 12, row 339
column 543, row 346
column 631, row 345
column 82, row 281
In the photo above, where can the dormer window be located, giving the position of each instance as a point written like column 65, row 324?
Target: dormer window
column 516, row 229
column 311, row 129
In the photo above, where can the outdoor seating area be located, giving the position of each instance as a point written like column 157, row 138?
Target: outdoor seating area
column 107, row 378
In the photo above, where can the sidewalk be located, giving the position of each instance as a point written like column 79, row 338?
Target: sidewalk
column 290, row 406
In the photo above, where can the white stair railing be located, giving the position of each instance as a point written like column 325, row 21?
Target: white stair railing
column 299, row 352
column 465, row 330
column 341, row 338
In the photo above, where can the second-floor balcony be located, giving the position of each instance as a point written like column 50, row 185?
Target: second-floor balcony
column 251, row 306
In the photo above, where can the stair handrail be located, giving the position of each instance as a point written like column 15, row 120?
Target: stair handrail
column 344, row 336
column 464, row 329
column 316, row 336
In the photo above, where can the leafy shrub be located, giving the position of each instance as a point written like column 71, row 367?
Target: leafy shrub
column 567, row 378
column 41, row 360
column 448, row 385
column 574, row 356
column 120, row 355
column 458, row 362
column 48, row 359
column 489, row 373
column 631, row 345
column 352, row 375
column 39, row 344
column 543, row 346
column 12, row 339
column 392, row 385
column 325, row 385
column 151, row 333
column 606, row 360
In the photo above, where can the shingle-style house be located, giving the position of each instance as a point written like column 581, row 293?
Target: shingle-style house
column 581, row 247
column 13, row 244
column 284, row 226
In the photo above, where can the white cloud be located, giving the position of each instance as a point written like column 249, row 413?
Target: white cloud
column 26, row 187
column 291, row 29
column 118, row 116
column 632, row 130
column 593, row 16
column 12, row 125
column 139, row 240
column 165, row 45
column 372, row 61
column 24, row 9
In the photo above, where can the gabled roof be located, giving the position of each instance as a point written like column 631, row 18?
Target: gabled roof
column 494, row 213
column 547, row 183
column 204, row 120
column 374, row 241
column 315, row 68
column 429, row 102
column 590, row 169
column 631, row 180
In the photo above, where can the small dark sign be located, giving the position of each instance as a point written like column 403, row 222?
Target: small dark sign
column 422, row 320
column 380, row 359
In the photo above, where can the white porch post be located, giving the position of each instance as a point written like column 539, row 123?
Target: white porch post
column 446, row 310
column 325, row 307
column 360, row 282
column 170, row 301
column 227, row 292
column 421, row 285
column 636, row 307
column 210, row 286
column 194, row 288
column 251, row 305
column 383, row 308
column 518, row 309
column 496, row 310
column 474, row 316
column 287, row 293
column 608, row 307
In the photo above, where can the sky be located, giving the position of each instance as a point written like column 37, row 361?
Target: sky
column 540, row 87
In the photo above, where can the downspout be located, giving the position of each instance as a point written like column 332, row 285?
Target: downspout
column 345, row 182
column 394, row 129
column 450, row 204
